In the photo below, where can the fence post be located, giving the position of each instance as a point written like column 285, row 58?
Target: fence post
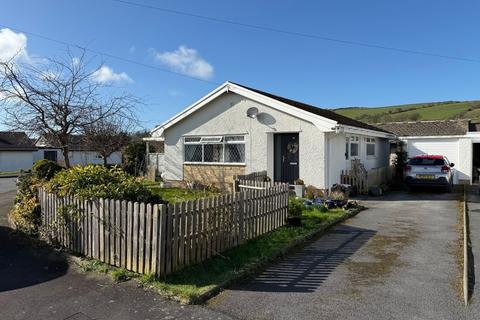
column 241, row 218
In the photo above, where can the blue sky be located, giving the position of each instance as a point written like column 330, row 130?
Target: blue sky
column 325, row 74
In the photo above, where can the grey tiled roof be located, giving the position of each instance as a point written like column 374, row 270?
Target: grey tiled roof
column 329, row 114
column 15, row 141
column 427, row 128
column 76, row 143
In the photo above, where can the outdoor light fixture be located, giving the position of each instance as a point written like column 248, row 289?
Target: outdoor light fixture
column 338, row 129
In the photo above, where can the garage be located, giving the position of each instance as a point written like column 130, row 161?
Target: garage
column 453, row 139
column 16, row 151
column 445, row 147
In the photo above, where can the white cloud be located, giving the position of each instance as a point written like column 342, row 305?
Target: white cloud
column 187, row 61
column 106, row 75
column 13, row 45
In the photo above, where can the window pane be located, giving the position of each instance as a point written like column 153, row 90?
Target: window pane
column 234, row 138
column 213, row 153
column 346, row 150
column 235, row 153
column 212, row 139
column 193, row 152
column 426, row 161
column 192, row 139
column 370, row 149
column 354, row 149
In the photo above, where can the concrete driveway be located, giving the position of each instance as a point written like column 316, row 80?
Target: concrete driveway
column 394, row 261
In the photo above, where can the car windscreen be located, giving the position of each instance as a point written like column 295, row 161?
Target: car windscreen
column 426, row 162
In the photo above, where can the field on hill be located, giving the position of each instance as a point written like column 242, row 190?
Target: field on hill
column 446, row 110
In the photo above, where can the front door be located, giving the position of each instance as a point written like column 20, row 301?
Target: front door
column 286, row 157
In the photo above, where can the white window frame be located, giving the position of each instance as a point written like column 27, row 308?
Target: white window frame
column 354, row 140
column 371, row 141
column 206, row 140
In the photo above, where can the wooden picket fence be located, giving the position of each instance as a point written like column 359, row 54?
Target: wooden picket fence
column 362, row 179
column 254, row 179
column 161, row 239
column 257, row 176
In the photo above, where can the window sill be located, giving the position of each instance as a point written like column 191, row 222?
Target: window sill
column 215, row 164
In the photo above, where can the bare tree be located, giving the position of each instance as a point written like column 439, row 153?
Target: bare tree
column 108, row 135
column 57, row 98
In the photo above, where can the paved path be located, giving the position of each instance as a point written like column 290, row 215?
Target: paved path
column 7, row 184
column 40, row 284
column 393, row 261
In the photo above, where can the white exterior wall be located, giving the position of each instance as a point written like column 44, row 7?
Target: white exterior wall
column 465, row 161
column 457, row 150
column 81, row 157
column 227, row 115
column 16, row 160
column 336, row 155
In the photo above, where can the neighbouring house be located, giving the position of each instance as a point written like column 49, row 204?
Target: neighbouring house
column 458, row 140
column 235, row 130
column 79, row 152
column 16, row 151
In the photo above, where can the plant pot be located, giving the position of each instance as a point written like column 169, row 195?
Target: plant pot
column 339, row 203
column 299, row 190
column 294, row 221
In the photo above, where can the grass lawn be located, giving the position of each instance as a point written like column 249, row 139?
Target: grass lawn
column 191, row 283
column 174, row 195
column 9, row 173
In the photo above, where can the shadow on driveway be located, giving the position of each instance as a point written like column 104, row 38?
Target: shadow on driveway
column 23, row 266
column 308, row 269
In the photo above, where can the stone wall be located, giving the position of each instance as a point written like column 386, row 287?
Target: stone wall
column 221, row 176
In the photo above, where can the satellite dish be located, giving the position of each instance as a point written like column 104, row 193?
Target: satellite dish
column 252, row 112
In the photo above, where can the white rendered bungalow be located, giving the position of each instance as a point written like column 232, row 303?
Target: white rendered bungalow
column 237, row 130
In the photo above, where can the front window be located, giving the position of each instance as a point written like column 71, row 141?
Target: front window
column 215, row 149
column 370, row 147
column 354, row 146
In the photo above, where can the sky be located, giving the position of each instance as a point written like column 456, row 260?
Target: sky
column 178, row 59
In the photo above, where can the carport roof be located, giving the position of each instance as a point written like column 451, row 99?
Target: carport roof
column 427, row 128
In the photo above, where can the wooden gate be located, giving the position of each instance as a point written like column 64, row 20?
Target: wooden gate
column 357, row 177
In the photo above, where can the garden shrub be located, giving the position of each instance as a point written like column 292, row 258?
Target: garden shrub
column 25, row 215
column 96, row 181
column 45, row 169
column 295, row 207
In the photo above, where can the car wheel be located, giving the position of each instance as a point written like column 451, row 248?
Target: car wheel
column 449, row 188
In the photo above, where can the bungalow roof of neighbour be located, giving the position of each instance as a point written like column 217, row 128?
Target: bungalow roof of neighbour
column 427, row 128
column 15, row 141
column 76, row 143
column 321, row 117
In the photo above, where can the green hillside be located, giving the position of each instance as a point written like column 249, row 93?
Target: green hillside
column 446, row 110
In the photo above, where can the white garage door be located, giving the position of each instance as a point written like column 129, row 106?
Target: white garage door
column 444, row 147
